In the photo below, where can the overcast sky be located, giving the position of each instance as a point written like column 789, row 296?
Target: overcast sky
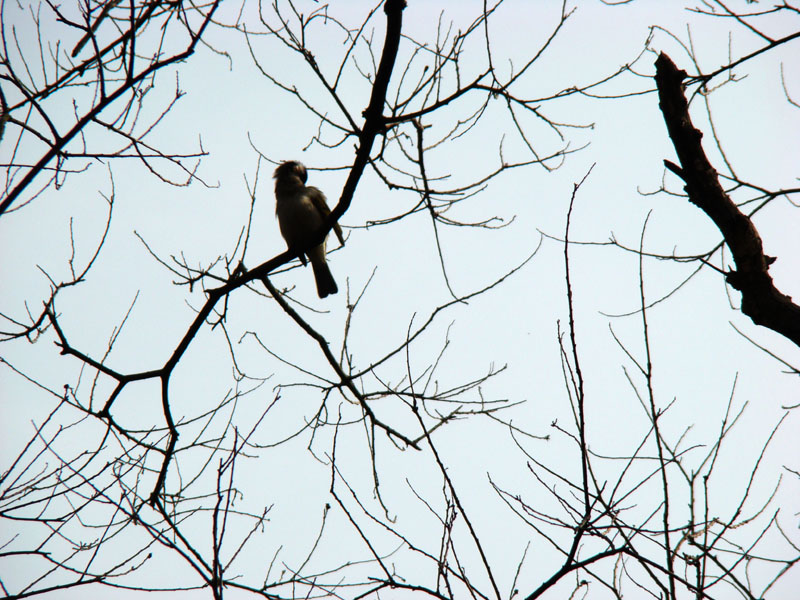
column 699, row 358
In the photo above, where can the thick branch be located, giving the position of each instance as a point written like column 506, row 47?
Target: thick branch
column 374, row 121
column 761, row 300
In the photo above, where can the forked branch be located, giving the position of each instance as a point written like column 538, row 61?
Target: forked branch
column 761, row 300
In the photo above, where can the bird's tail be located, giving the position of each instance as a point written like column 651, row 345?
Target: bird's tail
column 323, row 276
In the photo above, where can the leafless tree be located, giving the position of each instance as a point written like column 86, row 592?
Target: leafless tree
column 134, row 471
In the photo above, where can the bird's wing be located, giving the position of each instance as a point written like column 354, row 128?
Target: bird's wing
column 318, row 199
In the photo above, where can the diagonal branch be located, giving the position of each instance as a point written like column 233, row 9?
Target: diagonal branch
column 761, row 300
column 374, row 120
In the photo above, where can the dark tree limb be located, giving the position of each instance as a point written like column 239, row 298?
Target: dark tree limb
column 374, row 120
column 375, row 123
column 761, row 300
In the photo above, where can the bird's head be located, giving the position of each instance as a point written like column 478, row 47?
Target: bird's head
column 291, row 168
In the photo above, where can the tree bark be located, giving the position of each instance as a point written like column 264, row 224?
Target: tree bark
column 761, row 300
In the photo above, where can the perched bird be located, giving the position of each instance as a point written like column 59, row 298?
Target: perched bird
column 301, row 211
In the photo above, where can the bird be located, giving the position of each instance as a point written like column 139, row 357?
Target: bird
column 301, row 211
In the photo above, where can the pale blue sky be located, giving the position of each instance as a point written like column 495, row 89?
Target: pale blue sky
column 697, row 354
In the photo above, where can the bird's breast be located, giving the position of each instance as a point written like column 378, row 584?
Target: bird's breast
column 298, row 220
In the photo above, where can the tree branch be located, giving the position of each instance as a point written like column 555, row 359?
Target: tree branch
column 761, row 300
